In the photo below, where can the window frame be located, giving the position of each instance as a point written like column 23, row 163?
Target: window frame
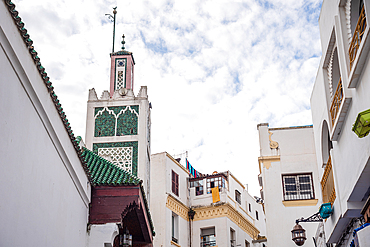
column 198, row 185
column 219, row 178
column 210, row 238
column 232, row 237
column 175, row 183
column 238, row 197
column 175, row 227
column 298, row 185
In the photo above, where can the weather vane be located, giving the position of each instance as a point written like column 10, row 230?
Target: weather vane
column 113, row 19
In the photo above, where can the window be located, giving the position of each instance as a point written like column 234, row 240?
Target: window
column 257, row 215
column 232, row 238
column 208, row 237
column 298, row 187
column 198, row 184
column 249, row 207
column 247, row 243
column 219, row 182
column 175, row 183
column 175, row 224
column 238, row 197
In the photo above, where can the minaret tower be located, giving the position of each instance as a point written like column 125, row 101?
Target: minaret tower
column 118, row 123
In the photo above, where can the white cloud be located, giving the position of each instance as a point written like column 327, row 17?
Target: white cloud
column 214, row 69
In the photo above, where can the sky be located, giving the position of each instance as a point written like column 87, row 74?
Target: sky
column 214, row 69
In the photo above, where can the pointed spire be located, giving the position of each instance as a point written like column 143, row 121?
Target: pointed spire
column 123, row 42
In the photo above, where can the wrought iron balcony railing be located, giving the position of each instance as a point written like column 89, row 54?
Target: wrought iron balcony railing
column 208, row 243
column 337, row 101
column 357, row 37
column 327, row 184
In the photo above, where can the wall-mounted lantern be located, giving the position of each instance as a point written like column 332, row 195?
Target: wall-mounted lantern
column 127, row 239
column 298, row 235
column 124, row 238
column 362, row 125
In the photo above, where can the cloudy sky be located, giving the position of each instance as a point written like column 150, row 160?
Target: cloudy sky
column 214, row 69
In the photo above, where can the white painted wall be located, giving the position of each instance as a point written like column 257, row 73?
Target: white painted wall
column 101, row 235
column 44, row 190
column 297, row 155
column 350, row 154
column 161, row 187
column 162, row 166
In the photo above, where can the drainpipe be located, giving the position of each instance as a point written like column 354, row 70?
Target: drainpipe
column 191, row 214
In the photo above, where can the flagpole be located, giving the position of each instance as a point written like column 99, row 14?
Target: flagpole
column 114, row 26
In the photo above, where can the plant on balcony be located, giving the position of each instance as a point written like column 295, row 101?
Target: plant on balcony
column 362, row 125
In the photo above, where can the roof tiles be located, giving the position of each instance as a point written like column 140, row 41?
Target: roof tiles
column 103, row 172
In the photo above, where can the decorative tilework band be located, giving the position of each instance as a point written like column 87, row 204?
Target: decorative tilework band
column 124, row 155
column 116, row 121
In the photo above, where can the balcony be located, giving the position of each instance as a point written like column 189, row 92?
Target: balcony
column 358, row 49
column 357, row 37
column 208, row 243
column 327, row 184
column 337, row 101
column 338, row 110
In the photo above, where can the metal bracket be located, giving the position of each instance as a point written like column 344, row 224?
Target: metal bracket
column 313, row 218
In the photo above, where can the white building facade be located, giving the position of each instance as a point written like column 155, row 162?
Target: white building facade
column 340, row 93
column 45, row 193
column 186, row 214
column 289, row 181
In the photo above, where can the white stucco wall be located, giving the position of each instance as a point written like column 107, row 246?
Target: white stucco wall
column 44, row 190
column 350, row 154
column 162, row 167
column 161, row 185
column 297, row 155
column 101, row 235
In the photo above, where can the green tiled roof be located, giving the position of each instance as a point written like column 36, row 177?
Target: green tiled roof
column 103, row 172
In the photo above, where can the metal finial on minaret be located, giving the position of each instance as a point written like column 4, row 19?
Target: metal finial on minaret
column 123, row 42
column 113, row 19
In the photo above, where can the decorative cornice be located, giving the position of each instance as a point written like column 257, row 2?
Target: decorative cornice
column 240, row 207
column 177, row 163
column 226, row 210
column 266, row 160
column 177, row 207
column 211, row 212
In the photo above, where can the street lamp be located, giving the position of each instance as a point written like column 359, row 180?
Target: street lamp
column 124, row 238
column 127, row 239
column 298, row 235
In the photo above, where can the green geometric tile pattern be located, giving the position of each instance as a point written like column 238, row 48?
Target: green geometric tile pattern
column 96, row 146
column 106, row 117
column 103, row 172
column 105, row 124
column 127, row 124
